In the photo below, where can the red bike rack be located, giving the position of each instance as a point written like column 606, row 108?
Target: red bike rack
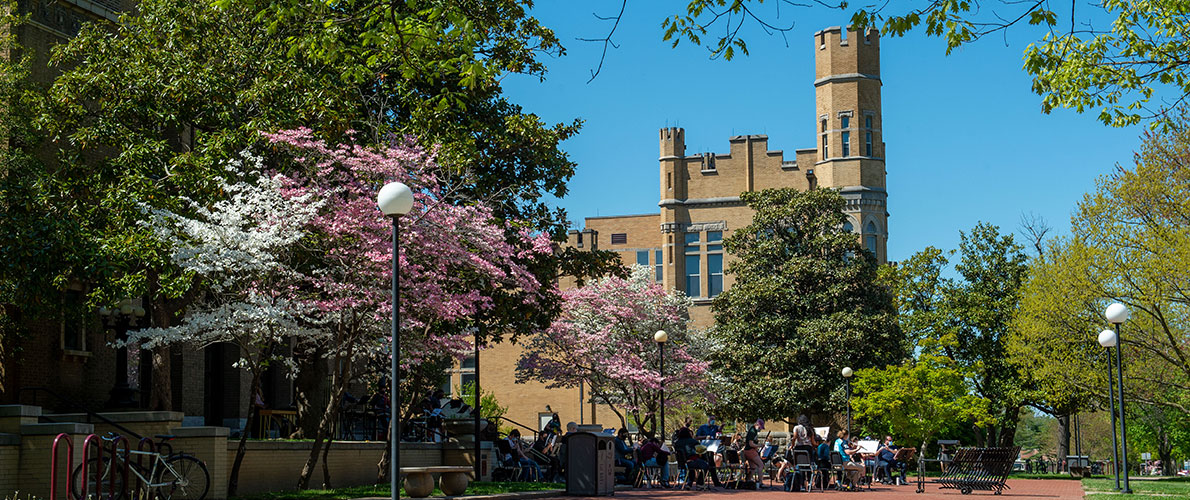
column 95, row 441
column 115, row 449
column 54, row 466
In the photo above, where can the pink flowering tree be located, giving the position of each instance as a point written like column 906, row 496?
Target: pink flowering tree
column 604, row 339
column 299, row 252
column 461, row 268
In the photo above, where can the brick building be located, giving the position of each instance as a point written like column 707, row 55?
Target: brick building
column 700, row 203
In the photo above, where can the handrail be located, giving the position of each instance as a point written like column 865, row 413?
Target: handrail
column 76, row 407
column 523, row 426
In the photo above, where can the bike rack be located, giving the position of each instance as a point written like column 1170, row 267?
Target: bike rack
column 115, row 449
column 95, row 441
column 54, row 466
column 140, row 447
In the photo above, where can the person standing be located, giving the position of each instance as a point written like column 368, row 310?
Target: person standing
column 752, row 451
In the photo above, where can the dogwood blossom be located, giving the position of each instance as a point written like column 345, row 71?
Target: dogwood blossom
column 604, row 339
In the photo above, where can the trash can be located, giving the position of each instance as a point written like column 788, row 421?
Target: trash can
column 590, row 464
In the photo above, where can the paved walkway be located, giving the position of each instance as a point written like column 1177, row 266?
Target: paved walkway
column 1054, row 489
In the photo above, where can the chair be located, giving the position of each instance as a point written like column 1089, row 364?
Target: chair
column 803, row 463
column 686, row 477
column 838, row 469
column 732, row 468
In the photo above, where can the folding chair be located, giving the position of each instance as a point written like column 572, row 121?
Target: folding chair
column 803, row 463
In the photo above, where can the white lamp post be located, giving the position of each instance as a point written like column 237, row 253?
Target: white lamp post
column 661, row 338
column 847, row 373
column 394, row 200
column 1117, row 314
column 1108, row 339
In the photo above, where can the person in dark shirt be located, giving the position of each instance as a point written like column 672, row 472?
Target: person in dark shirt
column 653, row 454
column 751, row 451
column 707, row 430
column 624, row 453
column 824, row 462
column 886, row 459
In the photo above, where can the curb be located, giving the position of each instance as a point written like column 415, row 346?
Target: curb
column 520, row 495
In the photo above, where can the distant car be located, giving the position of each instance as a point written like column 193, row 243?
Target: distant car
column 1184, row 473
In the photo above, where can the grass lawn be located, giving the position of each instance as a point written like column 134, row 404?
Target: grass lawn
column 382, row 490
column 1158, row 489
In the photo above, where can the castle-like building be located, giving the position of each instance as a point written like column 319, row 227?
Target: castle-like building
column 700, row 203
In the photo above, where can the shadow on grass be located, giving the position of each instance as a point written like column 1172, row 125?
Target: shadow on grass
column 382, row 490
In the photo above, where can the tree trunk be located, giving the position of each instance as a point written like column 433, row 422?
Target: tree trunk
column 313, row 389
column 161, row 396
column 1008, row 426
column 325, row 426
column 382, row 466
column 1063, row 440
column 253, row 412
column 326, row 469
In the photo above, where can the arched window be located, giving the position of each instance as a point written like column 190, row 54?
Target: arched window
column 848, row 227
column 870, row 237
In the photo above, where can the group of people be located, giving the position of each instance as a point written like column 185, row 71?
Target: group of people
column 707, row 452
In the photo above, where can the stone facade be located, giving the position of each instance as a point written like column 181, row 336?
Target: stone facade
column 699, row 200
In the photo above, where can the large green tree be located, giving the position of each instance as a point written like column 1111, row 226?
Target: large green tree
column 1124, row 59
column 967, row 318
column 806, row 302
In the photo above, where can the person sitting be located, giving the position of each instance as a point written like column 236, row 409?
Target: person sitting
column 886, row 460
column 654, row 454
column 823, row 457
column 853, row 470
column 624, row 453
column 708, row 430
column 530, row 471
column 696, row 462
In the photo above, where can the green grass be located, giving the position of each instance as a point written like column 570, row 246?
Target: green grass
column 382, row 490
column 1158, row 489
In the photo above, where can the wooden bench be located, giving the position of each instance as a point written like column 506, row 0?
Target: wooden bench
column 419, row 481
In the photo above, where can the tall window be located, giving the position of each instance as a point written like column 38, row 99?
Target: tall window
column 846, row 144
column 868, row 135
column 74, row 333
column 693, row 266
column 715, row 274
column 846, row 122
column 825, row 153
column 870, row 237
column 642, row 257
column 657, row 263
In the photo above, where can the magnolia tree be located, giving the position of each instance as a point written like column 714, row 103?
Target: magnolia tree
column 307, row 256
column 604, row 339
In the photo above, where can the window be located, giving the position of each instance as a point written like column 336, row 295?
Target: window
column 714, row 236
column 642, row 257
column 715, row 274
column 619, row 238
column 868, row 121
column 825, row 153
column 467, row 379
column 848, row 227
column 846, row 144
column 870, row 237
column 692, row 243
column 468, row 362
column 868, row 144
column 846, row 121
column 445, row 386
column 657, row 262
column 74, row 333
column 693, row 272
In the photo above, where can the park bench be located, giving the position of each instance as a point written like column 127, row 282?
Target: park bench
column 419, row 481
column 971, row 469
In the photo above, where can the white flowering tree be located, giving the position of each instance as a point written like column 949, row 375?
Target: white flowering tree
column 240, row 248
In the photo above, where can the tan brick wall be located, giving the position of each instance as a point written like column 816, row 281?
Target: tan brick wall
column 10, row 456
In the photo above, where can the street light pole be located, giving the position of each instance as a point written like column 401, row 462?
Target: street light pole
column 394, row 200
column 847, row 373
column 661, row 337
column 1117, row 314
column 1108, row 339
column 477, row 406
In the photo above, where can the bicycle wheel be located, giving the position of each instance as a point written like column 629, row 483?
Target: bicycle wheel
column 184, row 477
column 105, row 478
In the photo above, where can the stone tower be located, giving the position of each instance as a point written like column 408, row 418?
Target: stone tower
column 848, row 126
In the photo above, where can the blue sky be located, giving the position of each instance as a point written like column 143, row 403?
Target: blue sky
column 966, row 140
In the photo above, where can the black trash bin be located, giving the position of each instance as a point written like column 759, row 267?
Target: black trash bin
column 590, row 464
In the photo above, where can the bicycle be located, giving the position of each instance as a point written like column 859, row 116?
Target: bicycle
column 167, row 475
